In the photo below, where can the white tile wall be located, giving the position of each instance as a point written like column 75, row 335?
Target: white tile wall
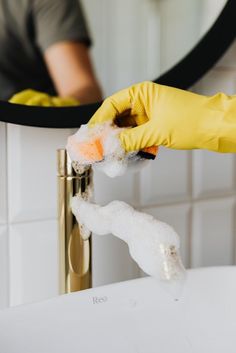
column 170, row 168
column 3, row 267
column 213, row 174
column 3, row 174
column 108, row 189
column 178, row 217
column 111, row 261
column 213, row 229
column 33, row 261
column 217, row 81
column 32, row 171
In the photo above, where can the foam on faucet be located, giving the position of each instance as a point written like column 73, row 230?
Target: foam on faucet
column 153, row 244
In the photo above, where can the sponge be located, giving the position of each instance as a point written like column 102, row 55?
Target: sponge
column 100, row 146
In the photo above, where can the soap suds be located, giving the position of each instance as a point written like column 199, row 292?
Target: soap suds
column 153, row 244
column 100, row 147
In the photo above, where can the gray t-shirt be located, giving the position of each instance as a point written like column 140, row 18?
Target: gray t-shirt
column 27, row 29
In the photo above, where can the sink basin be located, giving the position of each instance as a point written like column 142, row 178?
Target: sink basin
column 140, row 316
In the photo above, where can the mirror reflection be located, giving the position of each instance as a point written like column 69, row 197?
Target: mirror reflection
column 137, row 40
column 131, row 41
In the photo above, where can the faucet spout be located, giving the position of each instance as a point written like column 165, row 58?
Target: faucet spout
column 75, row 250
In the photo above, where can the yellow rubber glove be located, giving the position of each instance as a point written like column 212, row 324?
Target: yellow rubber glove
column 172, row 118
column 32, row 97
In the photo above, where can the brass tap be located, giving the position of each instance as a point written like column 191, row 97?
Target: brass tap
column 75, row 262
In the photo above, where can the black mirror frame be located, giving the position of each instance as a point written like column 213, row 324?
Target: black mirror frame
column 183, row 75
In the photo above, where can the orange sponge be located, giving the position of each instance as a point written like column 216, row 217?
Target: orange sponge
column 152, row 150
column 92, row 146
column 92, row 150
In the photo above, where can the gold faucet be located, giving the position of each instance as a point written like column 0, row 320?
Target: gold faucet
column 75, row 261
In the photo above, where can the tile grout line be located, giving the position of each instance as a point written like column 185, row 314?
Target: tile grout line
column 190, row 200
column 33, row 221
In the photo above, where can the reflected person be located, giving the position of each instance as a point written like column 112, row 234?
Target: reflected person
column 45, row 47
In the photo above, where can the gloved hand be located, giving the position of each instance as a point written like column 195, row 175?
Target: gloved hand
column 172, row 118
column 32, row 97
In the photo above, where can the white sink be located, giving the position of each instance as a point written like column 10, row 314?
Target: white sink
column 136, row 316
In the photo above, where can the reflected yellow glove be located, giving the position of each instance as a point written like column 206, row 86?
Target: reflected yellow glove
column 32, row 97
column 172, row 118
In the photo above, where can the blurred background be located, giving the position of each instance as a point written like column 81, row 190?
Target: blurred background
column 195, row 192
